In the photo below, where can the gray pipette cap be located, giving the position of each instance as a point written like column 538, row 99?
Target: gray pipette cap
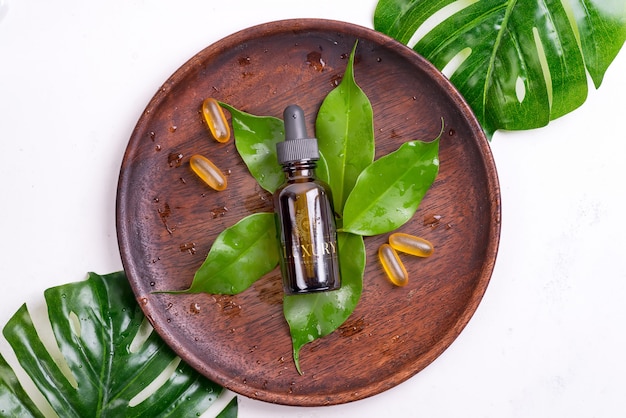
column 297, row 145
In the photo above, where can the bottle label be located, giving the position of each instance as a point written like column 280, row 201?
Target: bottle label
column 308, row 251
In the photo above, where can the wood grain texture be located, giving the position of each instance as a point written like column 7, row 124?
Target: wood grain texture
column 167, row 219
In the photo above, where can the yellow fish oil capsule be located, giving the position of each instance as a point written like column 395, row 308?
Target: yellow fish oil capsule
column 208, row 172
column 411, row 244
column 396, row 272
column 215, row 119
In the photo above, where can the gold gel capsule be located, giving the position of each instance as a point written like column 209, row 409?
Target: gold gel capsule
column 215, row 119
column 411, row 244
column 208, row 172
column 393, row 266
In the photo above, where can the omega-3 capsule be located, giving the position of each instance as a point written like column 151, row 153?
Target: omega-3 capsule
column 215, row 119
column 208, row 172
column 395, row 270
column 411, row 244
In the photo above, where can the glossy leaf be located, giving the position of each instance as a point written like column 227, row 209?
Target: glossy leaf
column 240, row 255
column 315, row 315
column 106, row 366
column 389, row 191
column 519, row 63
column 255, row 140
column 230, row 411
column 321, row 171
column 14, row 401
column 345, row 133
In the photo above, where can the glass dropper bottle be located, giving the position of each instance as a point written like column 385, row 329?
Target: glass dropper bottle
column 304, row 214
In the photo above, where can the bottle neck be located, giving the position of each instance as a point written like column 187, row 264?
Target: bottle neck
column 300, row 170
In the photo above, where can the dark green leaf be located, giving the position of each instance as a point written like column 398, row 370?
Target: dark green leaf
column 255, row 139
column 345, row 132
column 525, row 66
column 230, row 411
column 96, row 324
column 14, row 402
column 315, row 315
column 389, row 191
column 240, row 255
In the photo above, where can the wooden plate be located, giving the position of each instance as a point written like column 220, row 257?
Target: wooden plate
column 167, row 219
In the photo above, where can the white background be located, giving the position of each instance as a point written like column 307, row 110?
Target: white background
column 547, row 340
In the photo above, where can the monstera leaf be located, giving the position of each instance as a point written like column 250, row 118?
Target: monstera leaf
column 518, row 63
column 110, row 363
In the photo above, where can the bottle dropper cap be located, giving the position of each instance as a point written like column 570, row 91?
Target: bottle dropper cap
column 297, row 145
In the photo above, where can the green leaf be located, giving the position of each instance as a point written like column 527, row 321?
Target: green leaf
column 601, row 25
column 521, row 63
column 13, row 399
column 240, row 255
column 106, row 365
column 345, row 132
column 389, row 191
column 230, row 411
column 314, row 315
column 321, row 171
column 255, row 140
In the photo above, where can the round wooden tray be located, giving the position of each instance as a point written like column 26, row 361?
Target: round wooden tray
column 167, row 219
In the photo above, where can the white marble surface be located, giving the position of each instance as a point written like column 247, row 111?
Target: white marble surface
column 548, row 338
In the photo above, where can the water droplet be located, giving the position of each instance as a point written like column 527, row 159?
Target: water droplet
column 432, row 220
column 175, row 159
column 195, row 309
column 173, row 128
column 189, row 247
column 315, row 61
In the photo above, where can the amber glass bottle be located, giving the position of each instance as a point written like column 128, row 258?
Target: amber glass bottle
column 304, row 215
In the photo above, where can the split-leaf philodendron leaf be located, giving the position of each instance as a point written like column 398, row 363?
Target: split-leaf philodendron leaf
column 518, row 63
column 109, row 356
